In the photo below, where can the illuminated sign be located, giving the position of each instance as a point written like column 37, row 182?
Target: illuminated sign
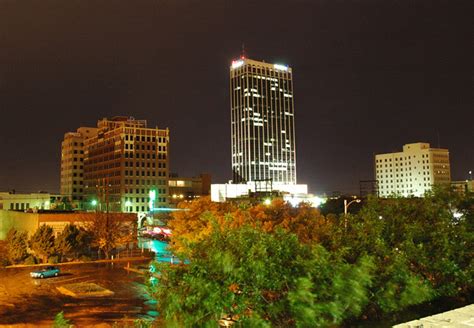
column 280, row 67
column 237, row 63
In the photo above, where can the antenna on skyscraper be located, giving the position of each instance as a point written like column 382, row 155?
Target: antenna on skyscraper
column 243, row 55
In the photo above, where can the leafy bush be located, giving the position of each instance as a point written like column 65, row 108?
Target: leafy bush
column 31, row 260
column 16, row 246
column 42, row 242
column 60, row 321
column 85, row 258
column 53, row 259
column 4, row 262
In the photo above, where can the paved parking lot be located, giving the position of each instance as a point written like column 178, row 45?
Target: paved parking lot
column 34, row 302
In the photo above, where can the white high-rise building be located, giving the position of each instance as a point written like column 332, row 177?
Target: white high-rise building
column 413, row 171
column 262, row 122
column 262, row 133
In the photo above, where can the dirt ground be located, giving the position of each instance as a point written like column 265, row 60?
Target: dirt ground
column 27, row 302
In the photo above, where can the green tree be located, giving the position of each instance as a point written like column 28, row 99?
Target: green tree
column 61, row 322
column 16, row 246
column 260, row 278
column 42, row 242
column 72, row 241
column 422, row 247
column 108, row 231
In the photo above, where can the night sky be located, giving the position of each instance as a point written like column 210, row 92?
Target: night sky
column 369, row 76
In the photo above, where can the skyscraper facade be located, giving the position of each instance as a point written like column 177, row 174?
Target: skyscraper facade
column 262, row 122
column 72, row 164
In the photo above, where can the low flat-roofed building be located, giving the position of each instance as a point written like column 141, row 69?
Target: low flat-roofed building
column 29, row 222
column 223, row 192
column 24, row 201
column 187, row 189
column 465, row 186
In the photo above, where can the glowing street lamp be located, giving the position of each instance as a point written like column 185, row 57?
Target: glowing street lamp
column 94, row 202
column 346, row 206
column 267, row 201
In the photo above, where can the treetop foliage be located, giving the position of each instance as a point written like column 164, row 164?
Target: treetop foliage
column 277, row 265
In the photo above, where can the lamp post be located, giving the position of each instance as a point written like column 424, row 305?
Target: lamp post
column 346, row 206
column 470, row 175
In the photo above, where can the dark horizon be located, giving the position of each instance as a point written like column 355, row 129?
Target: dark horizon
column 369, row 77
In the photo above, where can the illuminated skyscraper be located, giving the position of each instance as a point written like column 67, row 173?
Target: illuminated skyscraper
column 262, row 122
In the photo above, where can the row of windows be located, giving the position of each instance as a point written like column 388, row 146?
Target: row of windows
column 145, row 164
column 146, row 182
column 75, row 151
column 144, row 199
column 75, row 167
column 143, row 191
column 384, row 160
column 401, row 164
column 143, row 138
column 143, row 147
column 380, row 173
column 145, row 173
column 144, row 156
column 19, row 206
column 380, row 179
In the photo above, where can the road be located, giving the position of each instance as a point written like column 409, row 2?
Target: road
column 27, row 302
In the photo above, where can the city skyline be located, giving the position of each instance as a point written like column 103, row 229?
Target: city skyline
column 369, row 77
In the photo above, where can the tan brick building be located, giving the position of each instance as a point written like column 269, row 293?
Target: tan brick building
column 413, row 171
column 126, row 166
column 72, row 164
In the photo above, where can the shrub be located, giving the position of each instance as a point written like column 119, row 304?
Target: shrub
column 53, row 259
column 4, row 262
column 85, row 258
column 31, row 260
column 60, row 321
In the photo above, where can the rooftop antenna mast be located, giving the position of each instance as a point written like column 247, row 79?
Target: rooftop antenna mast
column 243, row 55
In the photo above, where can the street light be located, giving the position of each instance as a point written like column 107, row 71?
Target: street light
column 470, row 175
column 346, row 206
column 94, row 202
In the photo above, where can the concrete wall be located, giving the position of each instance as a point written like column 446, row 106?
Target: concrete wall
column 29, row 222
column 21, row 221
